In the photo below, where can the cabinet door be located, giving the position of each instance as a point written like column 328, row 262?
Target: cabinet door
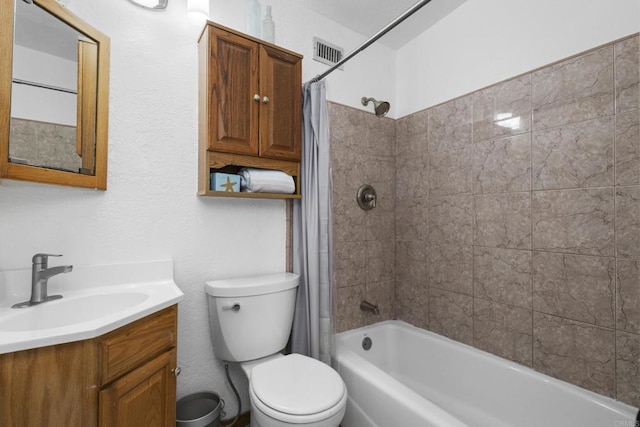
column 49, row 386
column 233, row 108
column 281, row 110
column 144, row 397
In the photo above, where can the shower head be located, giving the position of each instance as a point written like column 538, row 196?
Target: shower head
column 380, row 107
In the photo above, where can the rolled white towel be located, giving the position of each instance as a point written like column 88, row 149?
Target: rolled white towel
column 266, row 181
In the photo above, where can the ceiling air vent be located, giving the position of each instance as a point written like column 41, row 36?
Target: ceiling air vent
column 326, row 52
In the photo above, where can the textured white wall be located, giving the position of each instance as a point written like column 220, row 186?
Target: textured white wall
column 371, row 73
column 150, row 210
column 486, row 41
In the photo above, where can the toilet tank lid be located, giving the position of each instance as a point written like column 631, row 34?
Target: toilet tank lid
column 252, row 285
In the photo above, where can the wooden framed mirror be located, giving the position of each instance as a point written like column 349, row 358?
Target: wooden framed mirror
column 54, row 96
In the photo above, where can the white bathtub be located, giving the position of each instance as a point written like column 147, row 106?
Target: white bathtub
column 412, row 377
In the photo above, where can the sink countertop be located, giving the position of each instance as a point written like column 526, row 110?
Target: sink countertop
column 150, row 284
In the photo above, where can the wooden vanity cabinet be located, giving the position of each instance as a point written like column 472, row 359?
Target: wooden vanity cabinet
column 125, row 378
column 137, row 375
column 144, row 397
column 250, row 105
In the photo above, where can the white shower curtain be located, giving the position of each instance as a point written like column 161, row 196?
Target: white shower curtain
column 311, row 333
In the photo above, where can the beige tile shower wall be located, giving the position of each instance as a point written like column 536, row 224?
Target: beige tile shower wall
column 518, row 220
column 362, row 152
column 44, row 144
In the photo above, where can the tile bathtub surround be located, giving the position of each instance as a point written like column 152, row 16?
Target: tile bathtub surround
column 628, row 292
column 497, row 109
column 576, row 155
column 574, row 221
column 548, row 235
column 575, row 352
column 412, row 303
column 503, row 275
column 502, row 165
column 575, row 287
column 628, row 148
column 627, row 74
column 628, row 366
column 450, row 149
column 628, row 222
column 451, row 315
column 363, row 152
column 450, row 267
column 503, row 220
column 575, row 90
column 516, row 217
column 503, row 330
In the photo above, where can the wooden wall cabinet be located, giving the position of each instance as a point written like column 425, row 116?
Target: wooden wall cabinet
column 250, row 107
column 125, row 378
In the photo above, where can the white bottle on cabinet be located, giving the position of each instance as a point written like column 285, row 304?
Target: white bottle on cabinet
column 253, row 12
column 268, row 27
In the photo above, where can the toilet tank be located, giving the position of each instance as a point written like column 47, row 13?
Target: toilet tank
column 251, row 317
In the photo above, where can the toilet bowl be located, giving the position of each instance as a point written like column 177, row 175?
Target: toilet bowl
column 296, row 390
column 250, row 320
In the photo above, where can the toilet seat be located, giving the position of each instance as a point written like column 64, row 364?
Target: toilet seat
column 297, row 389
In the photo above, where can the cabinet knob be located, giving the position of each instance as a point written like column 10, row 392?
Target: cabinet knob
column 176, row 371
column 265, row 99
column 256, row 97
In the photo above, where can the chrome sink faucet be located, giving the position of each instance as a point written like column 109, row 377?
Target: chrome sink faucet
column 40, row 274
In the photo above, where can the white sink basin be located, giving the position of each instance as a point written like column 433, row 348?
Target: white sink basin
column 70, row 311
column 95, row 300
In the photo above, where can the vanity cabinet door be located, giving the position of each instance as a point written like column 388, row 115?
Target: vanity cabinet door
column 144, row 397
column 281, row 104
column 49, row 386
column 234, row 100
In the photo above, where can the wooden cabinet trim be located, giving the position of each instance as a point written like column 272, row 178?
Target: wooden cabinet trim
column 246, row 36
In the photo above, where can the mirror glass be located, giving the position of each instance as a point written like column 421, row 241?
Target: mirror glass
column 53, row 93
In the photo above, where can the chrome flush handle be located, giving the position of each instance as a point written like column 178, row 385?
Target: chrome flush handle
column 235, row 307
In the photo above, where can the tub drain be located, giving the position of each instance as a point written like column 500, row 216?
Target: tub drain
column 367, row 343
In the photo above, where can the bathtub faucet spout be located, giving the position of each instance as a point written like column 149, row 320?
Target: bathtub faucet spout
column 371, row 308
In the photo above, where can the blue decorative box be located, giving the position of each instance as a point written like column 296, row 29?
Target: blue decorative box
column 225, row 182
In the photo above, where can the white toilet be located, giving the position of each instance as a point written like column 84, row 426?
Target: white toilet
column 251, row 319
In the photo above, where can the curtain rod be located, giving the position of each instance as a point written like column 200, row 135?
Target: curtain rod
column 44, row 86
column 372, row 39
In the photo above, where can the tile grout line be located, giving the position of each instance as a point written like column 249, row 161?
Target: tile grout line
column 615, row 231
column 473, row 229
column 531, row 209
column 426, row 247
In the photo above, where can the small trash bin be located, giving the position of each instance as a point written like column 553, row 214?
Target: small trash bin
column 199, row 410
